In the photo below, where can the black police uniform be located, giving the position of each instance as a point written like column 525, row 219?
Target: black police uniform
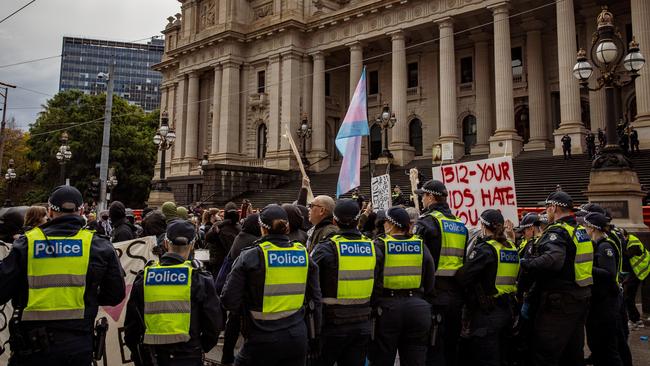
column 448, row 300
column 66, row 342
column 205, row 321
column 403, row 317
column 562, row 309
column 268, row 342
column 486, row 319
column 345, row 333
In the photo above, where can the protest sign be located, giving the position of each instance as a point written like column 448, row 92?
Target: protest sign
column 133, row 254
column 5, row 315
column 478, row 185
column 381, row 198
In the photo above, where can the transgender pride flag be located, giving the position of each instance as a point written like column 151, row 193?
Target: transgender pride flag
column 348, row 140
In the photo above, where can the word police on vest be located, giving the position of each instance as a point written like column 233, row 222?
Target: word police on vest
column 582, row 236
column 285, row 258
column 356, row 249
column 167, row 276
column 453, row 227
column 404, row 247
column 57, row 248
column 509, row 256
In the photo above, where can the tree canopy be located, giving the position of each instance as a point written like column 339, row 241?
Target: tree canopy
column 132, row 152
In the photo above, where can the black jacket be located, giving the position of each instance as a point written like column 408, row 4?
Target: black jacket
column 605, row 270
column 205, row 320
column 104, row 285
column 244, row 288
column 123, row 230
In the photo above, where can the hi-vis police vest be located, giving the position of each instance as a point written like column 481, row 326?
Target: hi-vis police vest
column 640, row 263
column 584, row 261
column 524, row 244
column 454, row 237
column 356, row 273
column 403, row 263
column 507, row 269
column 167, row 303
column 285, row 280
column 56, row 275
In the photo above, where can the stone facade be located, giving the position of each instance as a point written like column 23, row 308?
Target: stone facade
column 490, row 76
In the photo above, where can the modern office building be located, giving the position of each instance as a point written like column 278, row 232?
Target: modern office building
column 135, row 81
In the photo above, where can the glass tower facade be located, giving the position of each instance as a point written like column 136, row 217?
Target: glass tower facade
column 135, row 81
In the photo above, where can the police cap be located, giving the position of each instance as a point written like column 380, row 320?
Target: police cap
column 271, row 213
column 560, row 199
column 66, row 199
column 346, row 211
column 180, row 232
column 398, row 217
column 531, row 219
column 434, row 187
column 596, row 220
column 590, row 207
column 491, row 218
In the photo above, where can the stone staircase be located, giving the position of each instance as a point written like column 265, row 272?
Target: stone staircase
column 537, row 173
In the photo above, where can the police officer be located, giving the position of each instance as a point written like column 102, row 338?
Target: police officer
column 53, row 275
column 403, row 310
column 269, row 285
column 347, row 263
column 638, row 258
column 566, row 146
column 562, row 271
column 489, row 277
column 446, row 237
column 174, row 314
column 529, row 229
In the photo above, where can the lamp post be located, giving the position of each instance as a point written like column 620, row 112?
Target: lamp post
column 386, row 121
column 111, row 183
column 608, row 53
column 164, row 139
column 63, row 155
column 304, row 133
column 10, row 175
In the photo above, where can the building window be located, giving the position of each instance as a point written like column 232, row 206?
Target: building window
column 415, row 136
column 466, row 70
column 412, row 72
column 261, row 141
column 375, row 141
column 327, row 84
column 373, row 82
column 517, row 63
column 261, row 81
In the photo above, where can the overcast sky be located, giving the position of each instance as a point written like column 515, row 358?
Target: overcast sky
column 37, row 31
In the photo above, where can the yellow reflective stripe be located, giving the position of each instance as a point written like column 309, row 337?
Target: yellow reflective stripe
column 356, row 274
column 53, row 314
column 638, row 259
column 446, row 272
column 402, row 271
column 585, row 257
column 642, row 274
column 453, row 244
column 167, row 307
column 272, row 316
column 60, row 280
column 456, row 252
column 357, row 261
column 165, row 338
column 285, row 280
column 505, row 280
column 585, row 282
column 335, row 301
column 284, row 289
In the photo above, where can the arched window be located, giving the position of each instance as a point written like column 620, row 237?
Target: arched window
column 469, row 132
column 261, row 141
column 415, row 136
column 375, row 141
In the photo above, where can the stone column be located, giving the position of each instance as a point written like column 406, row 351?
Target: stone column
column 179, row 118
column 216, row 110
column 171, row 111
column 318, row 150
column 570, row 116
column 356, row 68
column 290, row 117
column 192, row 129
column 399, row 143
column 229, row 118
column 597, row 102
column 307, row 87
column 505, row 140
column 448, row 84
column 483, row 94
column 273, row 87
column 536, row 86
column 641, row 30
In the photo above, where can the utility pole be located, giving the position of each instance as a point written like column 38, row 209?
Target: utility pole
column 106, row 141
column 6, row 87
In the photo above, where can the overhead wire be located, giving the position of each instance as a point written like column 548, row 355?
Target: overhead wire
column 16, row 12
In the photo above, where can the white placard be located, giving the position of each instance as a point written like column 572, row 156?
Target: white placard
column 478, row 185
column 448, row 151
column 381, row 197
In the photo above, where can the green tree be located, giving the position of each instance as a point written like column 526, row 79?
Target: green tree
column 132, row 153
column 23, row 189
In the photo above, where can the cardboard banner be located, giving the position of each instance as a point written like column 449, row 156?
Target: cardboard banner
column 381, row 192
column 478, row 185
column 5, row 315
column 133, row 254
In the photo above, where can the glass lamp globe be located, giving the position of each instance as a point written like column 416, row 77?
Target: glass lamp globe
column 171, row 137
column 157, row 139
column 67, row 155
column 12, row 175
column 7, row 176
column 59, row 156
column 634, row 61
column 606, row 52
column 164, row 129
column 582, row 70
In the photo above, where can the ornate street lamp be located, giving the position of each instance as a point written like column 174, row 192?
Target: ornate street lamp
column 63, row 155
column 386, row 121
column 204, row 162
column 111, row 183
column 607, row 54
column 304, row 133
column 10, row 176
column 164, row 139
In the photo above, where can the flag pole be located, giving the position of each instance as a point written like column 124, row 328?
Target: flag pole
column 368, row 147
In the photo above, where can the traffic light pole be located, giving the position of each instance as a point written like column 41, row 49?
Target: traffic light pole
column 106, row 142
